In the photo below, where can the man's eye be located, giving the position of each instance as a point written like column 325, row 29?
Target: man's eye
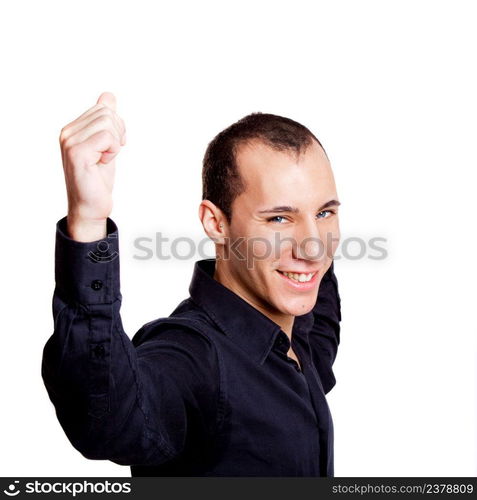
column 327, row 212
column 273, row 219
column 324, row 214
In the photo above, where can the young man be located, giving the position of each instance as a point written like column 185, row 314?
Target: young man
column 233, row 383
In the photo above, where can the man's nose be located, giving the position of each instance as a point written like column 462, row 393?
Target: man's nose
column 309, row 242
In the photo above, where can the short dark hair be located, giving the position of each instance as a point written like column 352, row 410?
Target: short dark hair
column 221, row 181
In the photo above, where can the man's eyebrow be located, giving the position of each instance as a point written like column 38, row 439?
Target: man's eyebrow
column 288, row 208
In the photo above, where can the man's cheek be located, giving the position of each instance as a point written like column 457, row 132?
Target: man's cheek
column 258, row 249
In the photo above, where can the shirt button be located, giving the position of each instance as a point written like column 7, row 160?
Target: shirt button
column 98, row 351
column 281, row 339
column 96, row 285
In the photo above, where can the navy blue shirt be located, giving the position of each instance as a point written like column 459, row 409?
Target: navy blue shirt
column 208, row 391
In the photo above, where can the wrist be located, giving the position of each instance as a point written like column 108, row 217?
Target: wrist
column 86, row 230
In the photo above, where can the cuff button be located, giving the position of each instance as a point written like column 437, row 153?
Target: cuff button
column 96, row 285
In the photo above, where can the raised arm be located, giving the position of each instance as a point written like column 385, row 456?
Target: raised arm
column 325, row 334
column 131, row 404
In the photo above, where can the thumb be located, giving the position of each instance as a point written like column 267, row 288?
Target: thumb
column 108, row 99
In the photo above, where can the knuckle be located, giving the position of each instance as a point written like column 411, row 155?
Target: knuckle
column 107, row 111
column 63, row 135
column 102, row 121
column 66, row 143
column 105, row 121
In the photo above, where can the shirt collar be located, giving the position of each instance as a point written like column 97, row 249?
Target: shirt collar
column 248, row 327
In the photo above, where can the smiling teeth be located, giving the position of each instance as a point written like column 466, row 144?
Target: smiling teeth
column 302, row 278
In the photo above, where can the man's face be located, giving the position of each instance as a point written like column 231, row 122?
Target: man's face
column 283, row 224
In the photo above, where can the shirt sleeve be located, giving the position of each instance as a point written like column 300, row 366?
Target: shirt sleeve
column 131, row 404
column 324, row 336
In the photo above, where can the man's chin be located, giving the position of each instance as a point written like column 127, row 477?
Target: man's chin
column 297, row 309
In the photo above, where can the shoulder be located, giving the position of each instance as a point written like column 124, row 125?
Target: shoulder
column 182, row 348
column 187, row 326
column 186, row 321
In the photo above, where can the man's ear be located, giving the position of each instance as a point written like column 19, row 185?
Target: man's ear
column 213, row 221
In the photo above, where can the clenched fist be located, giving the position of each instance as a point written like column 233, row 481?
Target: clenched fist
column 89, row 146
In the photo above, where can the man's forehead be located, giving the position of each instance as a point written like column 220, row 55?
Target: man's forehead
column 274, row 177
column 255, row 158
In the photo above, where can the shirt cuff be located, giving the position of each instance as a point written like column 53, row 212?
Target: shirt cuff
column 87, row 273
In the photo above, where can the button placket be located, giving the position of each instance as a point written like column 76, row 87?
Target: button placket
column 283, row 344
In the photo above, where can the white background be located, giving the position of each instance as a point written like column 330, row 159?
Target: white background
column 390, row 90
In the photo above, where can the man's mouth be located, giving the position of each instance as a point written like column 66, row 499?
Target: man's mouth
column 298, row 277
